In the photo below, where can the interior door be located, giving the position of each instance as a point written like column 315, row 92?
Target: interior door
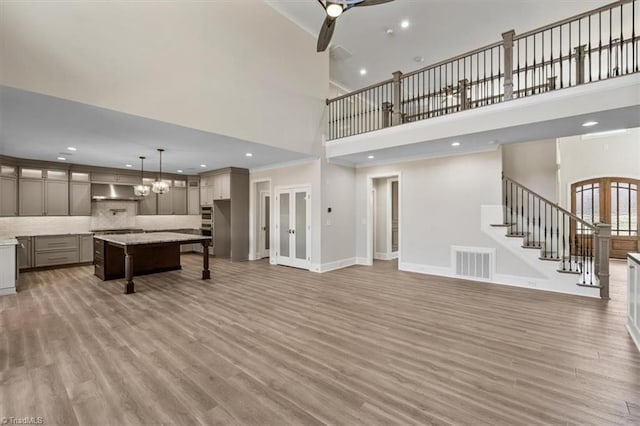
column 292, row 228
column 265, row 225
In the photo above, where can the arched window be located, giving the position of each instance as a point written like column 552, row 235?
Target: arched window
column 614, row 201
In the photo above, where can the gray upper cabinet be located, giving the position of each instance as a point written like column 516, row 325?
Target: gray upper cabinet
column 31, row 197
column 80, row 199
column 179, row 200
column 148, row 205
column 8, row 196
column 165, row 202
column 56, row 198
column 222, row 186
column 193, row 198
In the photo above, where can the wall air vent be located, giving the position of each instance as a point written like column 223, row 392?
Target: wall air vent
column 473, row 262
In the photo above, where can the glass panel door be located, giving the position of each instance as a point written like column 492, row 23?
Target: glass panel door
column 284, row 220
column 301, row 225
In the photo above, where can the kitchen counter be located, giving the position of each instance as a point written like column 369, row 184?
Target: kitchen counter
column 8, row 241
column 128, row 255
column 635, row 257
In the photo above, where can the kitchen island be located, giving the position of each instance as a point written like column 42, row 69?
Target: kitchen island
column 8, row 267
column 129, row 255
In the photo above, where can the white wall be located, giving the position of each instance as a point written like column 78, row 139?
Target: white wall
column 533, row 164
column 237, row 68
column 440, row 203
column 583, row 158
column 338, row 233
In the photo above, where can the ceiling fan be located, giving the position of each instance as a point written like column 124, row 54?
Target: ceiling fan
column 335, row 8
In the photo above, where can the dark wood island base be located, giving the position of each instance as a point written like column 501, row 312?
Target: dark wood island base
column 129, row 255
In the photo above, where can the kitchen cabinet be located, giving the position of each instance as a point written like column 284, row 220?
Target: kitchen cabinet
column 24, row 253
column 31, row 195
column 8, row 196
column 56, row 198
column 80, row 199
column 222, row 186
column 179, row 200
column 165, row 203
column 148, row 205
column 8, row 271
column 86, row 248
column 193, row 198
column 53, row 250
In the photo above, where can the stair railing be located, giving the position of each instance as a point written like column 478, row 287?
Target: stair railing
column 579, row 246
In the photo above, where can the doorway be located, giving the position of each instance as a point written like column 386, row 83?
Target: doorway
column 264, row 237
column 261, row 219
column 383, row 216
column 293, row 227
column 613, row 201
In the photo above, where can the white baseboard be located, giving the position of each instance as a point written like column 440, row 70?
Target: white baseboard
column 395, row 255
column 634, row 337
column 362, row 261
column 502, row 279
column 382, row 256
column 332, row 266
column 7, row 291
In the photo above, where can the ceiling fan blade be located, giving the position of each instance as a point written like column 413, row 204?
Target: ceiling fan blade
column 326, row 32
column 372, row 2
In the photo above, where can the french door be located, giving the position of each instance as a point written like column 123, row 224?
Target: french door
column 613, row 201
column 265, row 225
column 293, row 225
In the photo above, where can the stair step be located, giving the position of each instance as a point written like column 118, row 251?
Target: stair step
column 550, row 258
column 498, row 225
column 517, row 234
column 569, row 272
column 532, row 246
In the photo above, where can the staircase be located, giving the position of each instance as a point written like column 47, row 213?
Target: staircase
column 573, row 245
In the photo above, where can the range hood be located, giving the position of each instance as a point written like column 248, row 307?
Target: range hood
column 110, row 192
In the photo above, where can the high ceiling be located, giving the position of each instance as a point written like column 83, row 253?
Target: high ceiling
column 438, row 29
column 42, row 127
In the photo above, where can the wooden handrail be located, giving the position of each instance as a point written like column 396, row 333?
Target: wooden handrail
column 591, row 226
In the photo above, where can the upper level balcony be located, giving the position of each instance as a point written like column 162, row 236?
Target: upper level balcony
column 594, row 46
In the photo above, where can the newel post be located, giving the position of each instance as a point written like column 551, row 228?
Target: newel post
column 580, row 53
column 507, row 39
column 601, row 243
column 397, row 98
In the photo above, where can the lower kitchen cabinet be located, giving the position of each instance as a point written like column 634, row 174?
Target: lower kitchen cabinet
column 86, row 248
column 24, row 253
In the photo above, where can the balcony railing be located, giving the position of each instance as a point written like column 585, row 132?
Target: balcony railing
column 593, row 46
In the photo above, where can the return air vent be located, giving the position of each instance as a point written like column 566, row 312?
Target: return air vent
column 474, row 262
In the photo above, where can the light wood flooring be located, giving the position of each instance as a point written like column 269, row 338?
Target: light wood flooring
column 269, row 345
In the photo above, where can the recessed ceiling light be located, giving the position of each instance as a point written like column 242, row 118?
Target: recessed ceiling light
column 248, row 154
column 62, row 159
column 455, row 144
column 71, row 148
column 363, row 71
column 404, row 24
column 203, row 165
column 179, row 171
column 389, row 31
column 128, row 165
column 590, row 123
column 371, row 157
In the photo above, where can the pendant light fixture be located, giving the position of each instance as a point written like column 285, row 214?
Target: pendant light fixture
column 141, row 190
column 160, row 186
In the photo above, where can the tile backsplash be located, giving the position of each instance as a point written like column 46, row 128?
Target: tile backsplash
column 103, row 217
column 113, row 215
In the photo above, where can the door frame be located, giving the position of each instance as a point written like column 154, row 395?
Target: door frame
column 392, row 254
column 275, row 221
column 370, row 223
column 254, row 213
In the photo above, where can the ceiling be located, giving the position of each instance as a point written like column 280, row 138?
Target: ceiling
column 42, row 127
column 438, row 29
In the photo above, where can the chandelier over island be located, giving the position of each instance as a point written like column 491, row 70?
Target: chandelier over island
column 160, row 186
column 141, row 190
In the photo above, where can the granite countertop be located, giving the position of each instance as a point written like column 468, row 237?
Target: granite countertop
column 150, row 238
column 49, row 234
column 8, row 241
column 635, row 257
